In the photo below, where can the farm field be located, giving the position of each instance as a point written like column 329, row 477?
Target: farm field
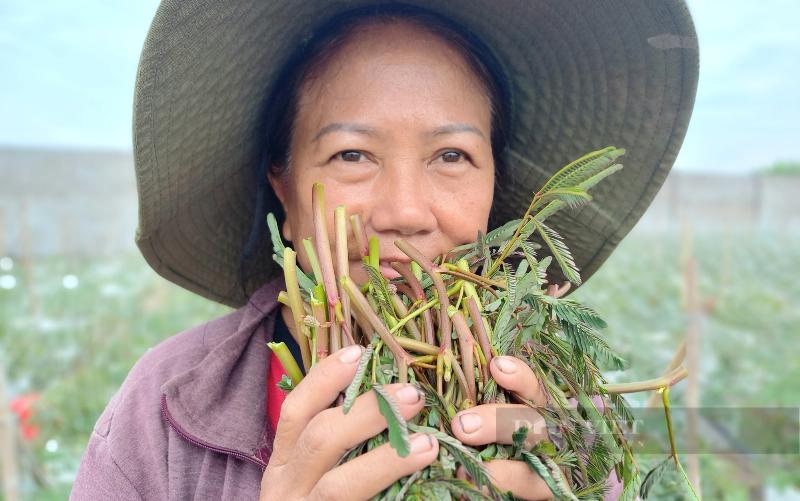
column 71, row 328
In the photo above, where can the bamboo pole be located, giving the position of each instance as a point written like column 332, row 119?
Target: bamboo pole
column 695, row 319
column 8, row 458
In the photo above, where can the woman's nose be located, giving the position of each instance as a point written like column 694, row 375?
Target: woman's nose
column 403, row 203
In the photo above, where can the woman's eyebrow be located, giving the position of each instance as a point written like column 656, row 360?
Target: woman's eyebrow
column 373, row 132
column 456, row 128
column 346, row 127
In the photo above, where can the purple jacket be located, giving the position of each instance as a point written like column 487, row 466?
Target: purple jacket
column 189, row 422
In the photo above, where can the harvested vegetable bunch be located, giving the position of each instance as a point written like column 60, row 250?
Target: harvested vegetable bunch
column 439, row 327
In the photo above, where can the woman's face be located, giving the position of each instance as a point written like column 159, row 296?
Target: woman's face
column 397, row 129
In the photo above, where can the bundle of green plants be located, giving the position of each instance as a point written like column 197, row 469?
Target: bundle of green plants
column 440, row 324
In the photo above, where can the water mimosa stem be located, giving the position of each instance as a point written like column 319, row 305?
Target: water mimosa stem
column 342, row 267
column 666, row 380
column 401, row 311
column 456, row 271
column 359, row 302
column 288, row 361
column 517, row 232
column 296, row 304
column 412, row 281
column 321, row 332
column 668, row 415
column 466, row 343
column 441, row 290
column 417, row 346
column 480, row 328
column 311, row 254
column 425, row 307
column 360, row 234
column 323, row 247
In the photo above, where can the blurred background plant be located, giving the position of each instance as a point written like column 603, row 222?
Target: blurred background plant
column 713, row 264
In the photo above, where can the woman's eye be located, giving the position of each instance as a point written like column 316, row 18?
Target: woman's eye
column 350, row 156
column 453, row 156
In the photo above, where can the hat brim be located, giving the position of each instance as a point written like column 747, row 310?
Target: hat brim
column 583, row 75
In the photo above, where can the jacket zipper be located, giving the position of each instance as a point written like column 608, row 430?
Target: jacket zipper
column 200, row 443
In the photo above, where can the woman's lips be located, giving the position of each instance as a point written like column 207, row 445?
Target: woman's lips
column 388, row 272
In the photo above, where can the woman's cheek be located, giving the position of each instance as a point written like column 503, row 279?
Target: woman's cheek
column 462, row 214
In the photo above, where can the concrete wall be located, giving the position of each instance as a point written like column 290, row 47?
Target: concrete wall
column 56, row 202
column 66, row 202
column 714, row 200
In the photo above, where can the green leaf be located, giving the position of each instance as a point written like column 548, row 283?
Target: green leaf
column 467, row 456
column 593, row 180
column 406, row 485
column 573, row 197
column 563, row 490
column 277, row 248
column 574, row 312
column 622, row 408
column 545, row 447
column 560, row 252
column 686, row 479
column 549, row 210
column 398, row 428
column 285, row 383
column 581, row 175
column 589, row 341
column 379, row 286
column 599, row 424
column 653, row 476
column 456, row 487
column 352, row 389
column 518, row 437
column 582, row 169
column 499, row 236
column 275, row 235
column 557, row 487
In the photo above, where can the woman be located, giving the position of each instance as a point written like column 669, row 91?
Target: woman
column 432, row 124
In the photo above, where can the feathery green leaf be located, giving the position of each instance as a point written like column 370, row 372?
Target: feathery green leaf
column 398, row 428
column 352, row 389
column 560, row 252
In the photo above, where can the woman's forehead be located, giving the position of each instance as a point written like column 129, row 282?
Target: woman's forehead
column 393, row 69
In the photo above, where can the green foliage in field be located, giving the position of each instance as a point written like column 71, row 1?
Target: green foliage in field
column 783, row 168
column 74, row 346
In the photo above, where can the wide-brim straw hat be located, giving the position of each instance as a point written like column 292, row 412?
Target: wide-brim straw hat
column 582, row 75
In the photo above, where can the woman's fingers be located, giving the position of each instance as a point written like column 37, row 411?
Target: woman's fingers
column 316, row 392
column 331, row 433
column 496, row 423
column 514, row 374
column 514, row 476
column 370, row 473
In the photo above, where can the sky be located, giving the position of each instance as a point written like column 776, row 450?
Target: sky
column 68, row 71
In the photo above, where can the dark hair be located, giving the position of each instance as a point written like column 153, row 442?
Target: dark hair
column 281, row 105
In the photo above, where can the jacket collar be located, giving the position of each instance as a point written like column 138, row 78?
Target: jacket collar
column 220, row 403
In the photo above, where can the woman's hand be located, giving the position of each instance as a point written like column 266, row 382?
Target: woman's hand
column 495, row 423
column 311, row 438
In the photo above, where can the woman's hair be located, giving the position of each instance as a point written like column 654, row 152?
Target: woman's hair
column 280, row 109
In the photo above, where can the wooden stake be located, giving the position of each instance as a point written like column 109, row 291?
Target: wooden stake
column 8, row 455
column 696, row 317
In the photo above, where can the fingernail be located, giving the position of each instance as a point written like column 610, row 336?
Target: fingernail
column 505, row 365
column 408, row 394
column 470, row 422
column 350, row 354
column 421, row 443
